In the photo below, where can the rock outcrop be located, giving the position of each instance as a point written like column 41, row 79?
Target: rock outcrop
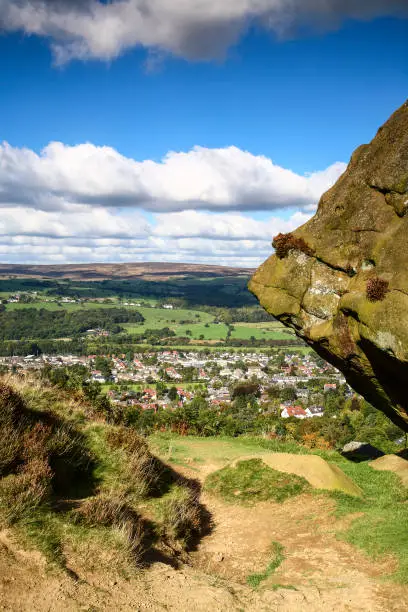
column 341, row 280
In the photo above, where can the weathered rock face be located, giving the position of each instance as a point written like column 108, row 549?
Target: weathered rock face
column 342, row 281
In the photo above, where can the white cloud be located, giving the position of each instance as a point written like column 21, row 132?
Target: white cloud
column 79, row 222
column 224, row 227
column 194, row 29
column 102, row 235
column 215, row 179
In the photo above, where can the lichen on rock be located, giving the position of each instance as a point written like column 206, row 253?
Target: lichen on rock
column 322, row 289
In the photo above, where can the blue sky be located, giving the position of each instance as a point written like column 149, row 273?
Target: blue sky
column 168, row 153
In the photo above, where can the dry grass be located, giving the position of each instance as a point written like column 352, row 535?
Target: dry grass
column 110, row 511
column 23, row 492
column 144, row 473
column 62, row 481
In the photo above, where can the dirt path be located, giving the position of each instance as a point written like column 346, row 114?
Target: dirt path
column 319, row 572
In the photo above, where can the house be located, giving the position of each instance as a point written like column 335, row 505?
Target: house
column 168, row 306
column 150, row 394
column 330, row 387
column 293, row 411
column 314, row 411
column 172, row 373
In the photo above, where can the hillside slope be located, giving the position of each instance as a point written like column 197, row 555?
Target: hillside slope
column 127, row 271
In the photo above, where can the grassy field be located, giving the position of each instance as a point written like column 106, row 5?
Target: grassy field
column 195, row 324
column 157, row 318
column 261, row 331
column 60, row 306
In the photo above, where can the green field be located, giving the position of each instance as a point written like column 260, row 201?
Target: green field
column 70, row 307
column 177, row 319
column 200, row 324
column 261, row 331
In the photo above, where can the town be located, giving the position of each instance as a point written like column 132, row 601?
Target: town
column 292, row 384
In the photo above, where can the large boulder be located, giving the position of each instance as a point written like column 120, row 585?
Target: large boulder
column 341, row 280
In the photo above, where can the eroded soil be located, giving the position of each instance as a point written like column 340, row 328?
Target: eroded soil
column 319, row 571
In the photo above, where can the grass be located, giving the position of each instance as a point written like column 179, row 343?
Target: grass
column 63, row 481
column 379, row 531
column 277, row 557
column 200, row 324
column 261, row 331
column 157, row 318
column 382, row 528
column 224, row 449
column 251, row 481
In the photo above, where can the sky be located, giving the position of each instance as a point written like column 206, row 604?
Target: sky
column 184, row 130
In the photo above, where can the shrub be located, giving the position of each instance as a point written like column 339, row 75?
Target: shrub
column 377, row 288
column 284, row 243
column 10, row 443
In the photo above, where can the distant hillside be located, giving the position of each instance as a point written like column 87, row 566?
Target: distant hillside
column 139, row 271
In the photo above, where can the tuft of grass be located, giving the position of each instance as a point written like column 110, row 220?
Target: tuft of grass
column 144, row 474
column 108, row 511
column 277, row 557
column 251, row 481
column 67, row 485
column 180, row 513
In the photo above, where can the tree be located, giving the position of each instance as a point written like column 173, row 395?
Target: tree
column 172, row 394
column 104, row 366
column 288, row 394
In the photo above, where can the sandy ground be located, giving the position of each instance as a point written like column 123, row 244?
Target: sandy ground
column 319, row 572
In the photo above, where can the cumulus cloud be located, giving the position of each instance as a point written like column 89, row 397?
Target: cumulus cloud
column 105, row 235
column 193, row 224
column 214, row 179
column 194, row 29
column 79, row 222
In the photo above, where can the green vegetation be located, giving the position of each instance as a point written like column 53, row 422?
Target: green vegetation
column 65, row 479
column 381, row 530
column 32, row 323
column 192, row 290
column 277, row 557
column 251, row 481
column 261, row 331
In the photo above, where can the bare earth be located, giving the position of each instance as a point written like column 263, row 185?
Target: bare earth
column 319, row 573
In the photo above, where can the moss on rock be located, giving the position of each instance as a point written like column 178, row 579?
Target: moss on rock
column 326, row 294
